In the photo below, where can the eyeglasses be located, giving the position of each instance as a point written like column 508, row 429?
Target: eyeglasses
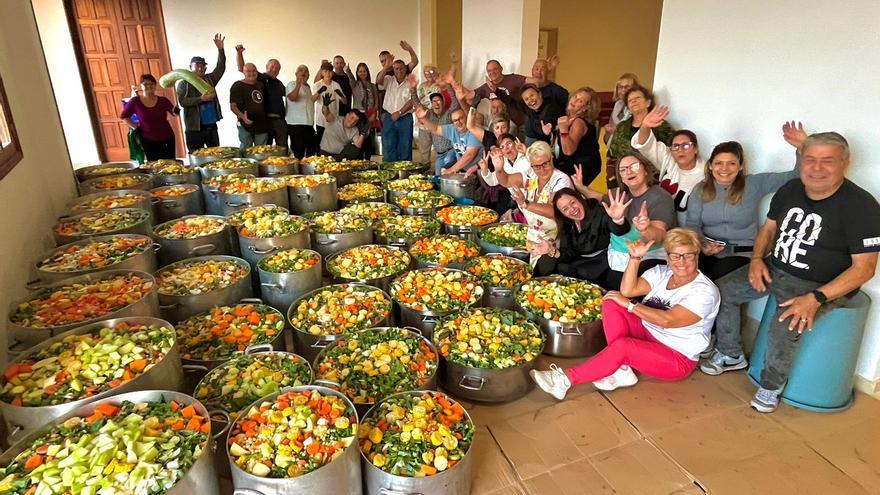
column 459, row 119
column 542, row 165
column 635, row 167
column 508, row 144
column 683, row 256
column 682, row 146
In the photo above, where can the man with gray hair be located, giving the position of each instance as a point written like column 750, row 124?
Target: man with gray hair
column 274, row 91
column 810, row 254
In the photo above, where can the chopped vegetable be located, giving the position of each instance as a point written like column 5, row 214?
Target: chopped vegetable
column 402, row 165
column 219, row 180
column 506, row 235
column 262, row 149
column 225, row 331
column 199, row 276
column 444, row 249
column 109, row 201
column 288, row 261
column 489, row 338
column 424, row 199
column 216, row 151
column 309, row 180
column 407, row 227
column 228, row 164
column 270, row 222
column 562, row 299
column 436, row 289
column 368, row 262
column 467, row 215
column 278, row 161
column 411, row 183
column 126, row 181
column 340, row 308
column 101, row 222
column 95, row 254
column 374, row 176
column 101, row 171
column 335, row 222
column 175, row 191
column 190, row 227
column 249, row 186
column 372, row 209
column 361, row 191
column 156, row 165
column 499, row 271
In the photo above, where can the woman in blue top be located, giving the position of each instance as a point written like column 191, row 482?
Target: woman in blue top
column 724, row 207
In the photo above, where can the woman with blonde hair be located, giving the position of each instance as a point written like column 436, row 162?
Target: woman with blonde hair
column 662, row 336
column 577, row 139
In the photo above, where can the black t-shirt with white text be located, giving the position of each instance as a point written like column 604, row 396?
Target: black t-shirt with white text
column 275, row 91
column 249, row 98
column 815, row 239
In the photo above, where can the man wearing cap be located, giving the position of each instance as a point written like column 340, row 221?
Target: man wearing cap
column 275, row 92
column 202, row 112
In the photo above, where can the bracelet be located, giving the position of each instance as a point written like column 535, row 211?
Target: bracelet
column 636, row 257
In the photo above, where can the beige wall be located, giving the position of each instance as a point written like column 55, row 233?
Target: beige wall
column 447, row 28
column 35, row 192
column 601, row 39
column 494, row 29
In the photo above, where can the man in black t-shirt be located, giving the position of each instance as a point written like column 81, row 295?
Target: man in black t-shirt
column 274, row 91
column 246, row 101
column 822, row 235
column 341, row 78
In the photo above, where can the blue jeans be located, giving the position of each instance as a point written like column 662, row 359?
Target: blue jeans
column 248, row 139
column 445, row 160
column 397, row 138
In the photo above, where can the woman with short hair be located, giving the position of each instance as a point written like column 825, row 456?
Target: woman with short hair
column 662, row 336
column 152, row 111
column 639, row 100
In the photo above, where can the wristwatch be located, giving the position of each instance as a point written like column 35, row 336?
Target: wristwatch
column 820, row 296
column 631, row 306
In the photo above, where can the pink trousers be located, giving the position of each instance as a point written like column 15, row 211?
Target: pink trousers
column 630, row 343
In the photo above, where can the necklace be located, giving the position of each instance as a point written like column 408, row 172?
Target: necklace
column 674, row 285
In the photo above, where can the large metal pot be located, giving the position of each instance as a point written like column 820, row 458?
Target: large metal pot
column 201, row 478
column 173, row 250
column 189, row 203
column 430, row 384
column 142, row 182
column 80, row 204
column 280, row 290
column 145, row 261
column 519, row 253
column 210, row 194
column 328, row 244
column 143, row 226
column 412, row 169
column 253, row 249
column 405, row 242
column 266, row 151
column 342, row 476
column 176, row 307
column 567, row 339
column 500, row 296
column 379, row 198
column 458, row 186
column 104, row 169
column 223, row 153
column 192, row 176
column 454, row 481
column 308, row 345
column 381, row 282
column 274, row 167
column 22, row 337
column 164, row 375
column 322, row 197
column 343, row 177
column 411, row 210
column 232, row 202
column 468, row 232
column 425, row 320
column 246, row 166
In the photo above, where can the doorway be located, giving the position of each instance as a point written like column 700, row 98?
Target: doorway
column 116, row 41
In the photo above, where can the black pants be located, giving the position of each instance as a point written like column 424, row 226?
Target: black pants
column 715, row 268
column 319, row 133
column 206, row 137
column 302, row 140
column 349, row 152
column 277, row 131
column 367, row 149
column 590, row 172
column 157, row 150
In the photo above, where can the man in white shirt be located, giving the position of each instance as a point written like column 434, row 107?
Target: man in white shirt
column 300, row 115
column 397, row 119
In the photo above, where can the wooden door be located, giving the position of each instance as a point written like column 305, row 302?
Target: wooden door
column 118, row 40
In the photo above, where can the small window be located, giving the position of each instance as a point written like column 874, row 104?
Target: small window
column 10, row 148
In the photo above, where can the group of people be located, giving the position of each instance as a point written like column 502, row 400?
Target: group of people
column 678, row 244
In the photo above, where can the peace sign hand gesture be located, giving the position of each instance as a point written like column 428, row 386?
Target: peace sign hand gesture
column 616, row 206
column 520, row 147
column 642, row 221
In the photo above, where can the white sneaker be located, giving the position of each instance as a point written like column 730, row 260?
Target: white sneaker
column 553, row 381
column 623, row 377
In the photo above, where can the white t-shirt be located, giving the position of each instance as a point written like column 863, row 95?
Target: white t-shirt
column 520, row 166
column 301, row 111
column 334, row 105
column 700, row 296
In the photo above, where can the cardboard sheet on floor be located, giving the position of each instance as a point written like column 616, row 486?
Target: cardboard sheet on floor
column 640, row 468
column 855, row 450
column 492, row 471
column 653, row 405
column 551, row 437
column 577, row 478
column 811, row 425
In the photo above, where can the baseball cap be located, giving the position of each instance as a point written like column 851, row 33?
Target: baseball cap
column 197, row 60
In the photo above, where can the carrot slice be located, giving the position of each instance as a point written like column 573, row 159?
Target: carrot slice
column 138, row 365
column 33, row 461
column 188, row 411
column 107, row 409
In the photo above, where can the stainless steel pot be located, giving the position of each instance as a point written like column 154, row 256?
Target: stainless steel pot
column 280, row 290
column 104, row 169
column 458, row 186
column 173, row 250
column 211, row 198
column 270, row 170
column 22, row 337
column 417, row 168
column 246, row 166
column 500, row 296
column 143, row 226
column 567, row 339
column 145, row 261
column 177, row 308
column 322, row 197
column 425, row 320
column 275, row 151
column 343, row 177
column 189, row 203
column 308, row 345
column 201, row 478
column 144, row 182
column 342, row 476
column 380, row 198
column 380, row 283
column 145, row 203
column 430, row 384
column 253, row 249
column 519, row 253
column 232, row 202
column 225, row 153
column 454, row 481
column 431, row 212
column 164, row 375
column 329, row 244
column 468, row 232
column 191, row 177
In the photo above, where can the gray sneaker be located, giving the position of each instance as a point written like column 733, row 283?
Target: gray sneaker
column 719, row 363
column 709, row 348
column 765, row 400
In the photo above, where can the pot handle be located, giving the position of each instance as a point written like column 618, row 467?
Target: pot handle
column 13, row 431
column 271, row 286
column 155, row 200
column 169, row 306
column 34, row 284
column 190, row 368
column 430, row 319
column 389, row 491
column 570, row 331
column 519, row 251
column 246, row 491
column 156, row 247
column 304, row 196
column 11, row 347
column 258, row 348
column 326, row 383
column 401, row 245
column 500, row 292
column 465, row 230
column 320, row 344
column 254, row 250
column 325, row 242
column 170, row 203
column 250, row 300
column 226, row 418
column 237, row 205
column 203, row 248
column 468, row 378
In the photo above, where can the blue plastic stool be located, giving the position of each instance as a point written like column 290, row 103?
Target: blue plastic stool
column 823, row 372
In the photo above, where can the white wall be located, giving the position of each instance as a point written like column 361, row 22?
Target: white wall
column 506, row 31
column 738, row 70
column 304, row 32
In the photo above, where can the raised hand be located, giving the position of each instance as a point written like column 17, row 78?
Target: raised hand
column 562, row 123
column 641, row 221
column 617, row 204
column 497, row 158
column 322, row 89
column 794, row 133
column 656, row 116
column 540, row 247
column 552, row 62
column 411, row 80
column 421, row 111
column 638, row 248
column 218, row 41
column 484, row 162
column 347, row 67
column 520, row 147
column 239, row 48
column 519, row 196
column 453, row 58
column 546, row 128
column 405, row 45
column 578, row 176
column 327, row 99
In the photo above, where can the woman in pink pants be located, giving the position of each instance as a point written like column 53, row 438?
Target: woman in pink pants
column 663, row 335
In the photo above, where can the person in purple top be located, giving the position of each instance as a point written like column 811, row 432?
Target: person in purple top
column 152, row 111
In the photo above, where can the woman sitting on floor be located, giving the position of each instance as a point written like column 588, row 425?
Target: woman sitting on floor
column 661, row 336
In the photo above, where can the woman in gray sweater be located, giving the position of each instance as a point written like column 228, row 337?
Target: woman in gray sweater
column 724, row 207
